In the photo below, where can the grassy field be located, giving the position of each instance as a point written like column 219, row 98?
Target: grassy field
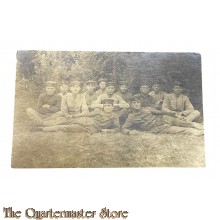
column 38, row 149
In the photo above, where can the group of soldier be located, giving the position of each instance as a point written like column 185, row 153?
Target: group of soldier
column 80, row 107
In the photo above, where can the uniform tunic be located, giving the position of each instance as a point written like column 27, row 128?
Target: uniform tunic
column 177, row 104
column 53, row 101
column 126, row 96
column 117, row 100
column 99, row 92
column 160, row 96
column 72, row 103
column 146, row 100
column 142, row 120
column 89, row 98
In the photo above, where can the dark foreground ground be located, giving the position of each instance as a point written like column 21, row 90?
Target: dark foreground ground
column 38, row 149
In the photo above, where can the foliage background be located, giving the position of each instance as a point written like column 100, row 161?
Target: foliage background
column 34, row 68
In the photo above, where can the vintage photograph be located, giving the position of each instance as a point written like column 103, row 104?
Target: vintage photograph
column 108, row 110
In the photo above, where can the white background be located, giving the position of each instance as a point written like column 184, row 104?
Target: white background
column 150, row 26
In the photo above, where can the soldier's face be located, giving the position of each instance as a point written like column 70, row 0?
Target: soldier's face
column 102, row 85
column 156, row 88
column 90, row 87
column 64, row 91
column 145, row 89
column 177, row 90
column 50, row 90
column 136, row 105
column 75, row 89
column 108, row 108
column 110, row 90
column 123, row 88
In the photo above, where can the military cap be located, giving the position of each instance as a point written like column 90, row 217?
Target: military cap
column 75, row 82
column 111, row 83
column 157, row 82
column 91, row 82
column 102, row 79
column 64, row 87
column 108, row 101
column 144, row 84
column 123, row 82
column 135, row 98
column 51, row 83
column 177, row 83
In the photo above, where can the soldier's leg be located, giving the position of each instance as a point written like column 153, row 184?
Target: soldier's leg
column 123, row 114
column 66, row 128
column 193, row 116
column 183, row 130
column 182, row 123
column 53, row 116
column 35, row 116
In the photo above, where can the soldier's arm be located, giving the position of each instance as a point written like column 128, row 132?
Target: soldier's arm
column 97, row 103
column 188, row 107
column 166, row 105
column 122, row 103
column 40, row 105
column 84, row 106
column 64, row 108
column 88, row 114
column 116, row 127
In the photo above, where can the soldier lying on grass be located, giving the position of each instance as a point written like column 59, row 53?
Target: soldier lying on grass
column 101, row 120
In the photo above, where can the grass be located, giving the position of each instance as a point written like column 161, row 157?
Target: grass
column 41, row 150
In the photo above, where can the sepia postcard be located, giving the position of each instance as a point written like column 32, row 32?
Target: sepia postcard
column 108, row 110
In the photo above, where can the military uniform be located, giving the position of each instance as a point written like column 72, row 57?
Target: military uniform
column 91, row 122
column 117, row 100
column 160, row 96
column 73, row 103
column 62, row 89
column 126, row 96
column 142, row 120
column 101, row 91
column 180, row 104
column 146, row 100
column 53, row 103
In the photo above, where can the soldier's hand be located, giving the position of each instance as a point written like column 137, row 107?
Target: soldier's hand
column 180, row 116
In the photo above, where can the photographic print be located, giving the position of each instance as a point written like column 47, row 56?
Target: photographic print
column 108, row 109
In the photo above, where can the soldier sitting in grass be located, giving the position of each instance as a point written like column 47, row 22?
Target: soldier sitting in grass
column 103, row 120
column 181, row 109
column 102, row 85
column 74, row 102
column 119, row 102
column 157, row 94
column 64, row 90
column 48, row 105
column 123, row 91
column 145, row 98
column 90, row 95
